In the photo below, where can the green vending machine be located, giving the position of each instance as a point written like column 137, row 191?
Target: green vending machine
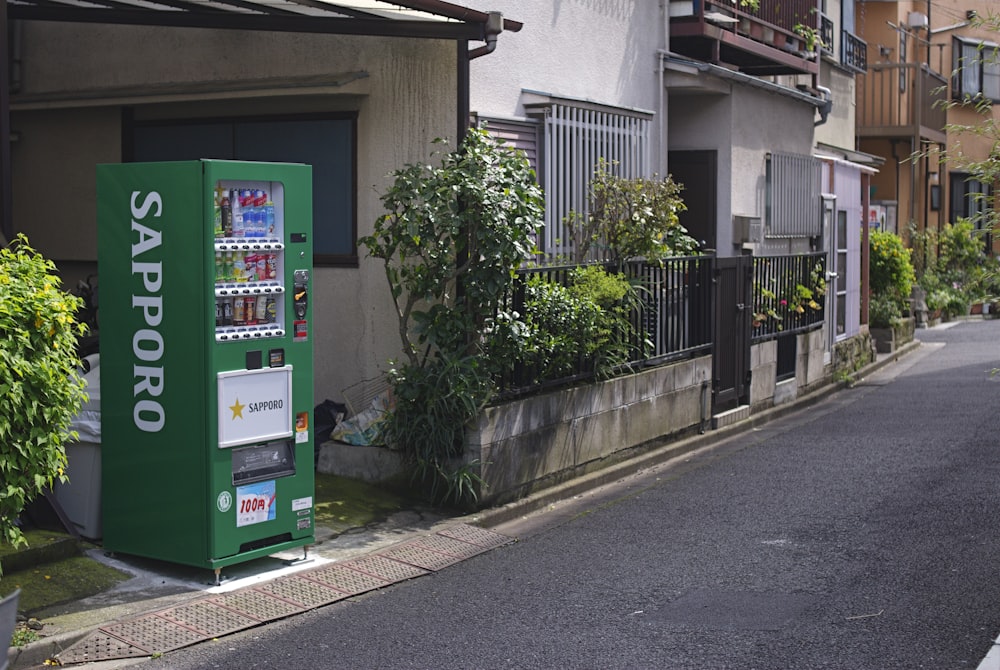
column 206, row 359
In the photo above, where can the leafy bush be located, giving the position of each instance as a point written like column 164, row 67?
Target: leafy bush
column 883, row 311
column 39, row 384
column 631, row 218
column 891, row 270
column 450, row 241
column 581, row 327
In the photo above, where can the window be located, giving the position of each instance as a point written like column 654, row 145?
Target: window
column 327, row 143
column 977, row 70
column 970, row 199
column 793, row 196
column 574, row 137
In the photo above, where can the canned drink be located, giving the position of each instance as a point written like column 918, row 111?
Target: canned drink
column 250, row 266
column 250, row 311
column 261, row 266
column 272, row 266
column 271, row 310
column 239, row 312
column 227, row 311
column 218, row 313
column 260, row 310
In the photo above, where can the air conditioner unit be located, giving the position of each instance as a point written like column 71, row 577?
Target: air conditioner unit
column 916, row 21
column 747, row 230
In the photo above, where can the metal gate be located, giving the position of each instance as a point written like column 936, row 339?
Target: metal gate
column 731, row 341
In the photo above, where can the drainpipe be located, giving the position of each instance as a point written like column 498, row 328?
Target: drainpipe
column 6, row 211
column 494, row 26
column 824, row 109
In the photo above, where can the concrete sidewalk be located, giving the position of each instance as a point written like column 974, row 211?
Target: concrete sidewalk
column 159, row 588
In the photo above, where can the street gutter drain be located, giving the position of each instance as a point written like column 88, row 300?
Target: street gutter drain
column 154, row 633
column 208, row 618
column 420, row 556
column 385, row 567
column 260, row 606
column 304, row 592
column 476, row 535
column 218, row 615
column 100, row 646
column 342, row 578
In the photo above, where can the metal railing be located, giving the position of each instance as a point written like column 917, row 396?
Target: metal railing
column 853, row 52
column 901, row 100
column 789, row 294
column 826, row 34
column 672, row 319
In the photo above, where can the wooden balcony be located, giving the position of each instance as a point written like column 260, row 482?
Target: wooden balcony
column 901, row 100
column 759, row 42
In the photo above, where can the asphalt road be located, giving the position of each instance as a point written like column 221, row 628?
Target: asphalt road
column 857, row 534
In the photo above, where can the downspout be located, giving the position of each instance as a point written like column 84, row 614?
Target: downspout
column 6, row 210
column 662, row 164
column 493, row 28
column 824, row 109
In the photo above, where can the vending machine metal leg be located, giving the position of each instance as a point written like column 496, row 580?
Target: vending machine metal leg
column 298, row 561
column 218, row 576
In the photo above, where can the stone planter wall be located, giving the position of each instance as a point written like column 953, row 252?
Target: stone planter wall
column 888, row 340
column 531, row 443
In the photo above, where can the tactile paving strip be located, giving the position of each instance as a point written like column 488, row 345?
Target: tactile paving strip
column 153, row 633
column 257, row 605
column 304, row 592
column 99, row 646
column 208, row 618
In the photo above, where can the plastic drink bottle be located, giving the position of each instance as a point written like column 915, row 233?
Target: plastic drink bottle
column 238, row 222
column 269, row 226
column 226, row 215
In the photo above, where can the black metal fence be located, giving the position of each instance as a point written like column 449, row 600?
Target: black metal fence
column 789, row 294
column 670, row 320
column 673, row 316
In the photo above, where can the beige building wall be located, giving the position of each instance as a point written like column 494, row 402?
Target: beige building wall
column 67, row 115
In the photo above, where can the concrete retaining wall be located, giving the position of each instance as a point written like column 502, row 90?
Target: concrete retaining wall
column 528, row 444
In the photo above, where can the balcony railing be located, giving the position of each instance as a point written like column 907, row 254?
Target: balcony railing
column 901, row 100
column 826, row 34
column 764, row 41
column 853, row 52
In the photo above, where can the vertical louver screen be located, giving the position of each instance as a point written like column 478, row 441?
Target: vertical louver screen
column 576, row 138
column 794, row 196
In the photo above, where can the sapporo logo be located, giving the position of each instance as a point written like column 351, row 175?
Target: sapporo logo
column 256, row 407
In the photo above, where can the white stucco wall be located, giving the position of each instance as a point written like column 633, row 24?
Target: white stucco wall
column 600, row 51
column 68, row 120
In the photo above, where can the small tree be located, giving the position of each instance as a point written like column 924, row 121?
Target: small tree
column 631, row 218
column 450, row 242
column 39, row 383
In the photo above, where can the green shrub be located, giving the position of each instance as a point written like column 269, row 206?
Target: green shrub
column 631, row 218
column 39, row 383
column 883, row 311
column 450, row 241
column 891, row 270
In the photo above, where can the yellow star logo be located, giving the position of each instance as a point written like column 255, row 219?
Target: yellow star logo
column 237, row 409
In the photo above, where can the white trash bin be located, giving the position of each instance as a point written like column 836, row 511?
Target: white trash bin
column 80, row 497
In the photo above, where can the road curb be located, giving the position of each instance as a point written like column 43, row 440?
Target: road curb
column 670, row 449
